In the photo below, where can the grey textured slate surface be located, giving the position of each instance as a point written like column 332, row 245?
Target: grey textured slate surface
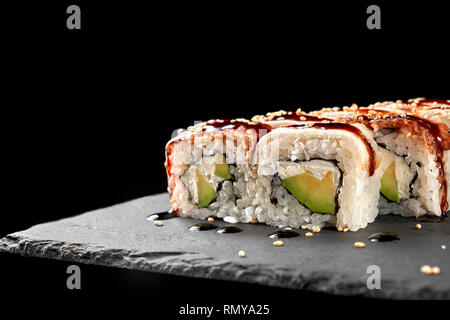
column 120, row 236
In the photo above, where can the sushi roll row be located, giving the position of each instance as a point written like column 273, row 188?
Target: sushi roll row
column 338, row 167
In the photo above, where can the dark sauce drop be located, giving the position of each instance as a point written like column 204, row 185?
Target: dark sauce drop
column 428, row 218
column 383, row 237
column 431, row 131
column 204, row 226
column 164, row 215
column 229, row 229
column 227, row 124
column 283, row 234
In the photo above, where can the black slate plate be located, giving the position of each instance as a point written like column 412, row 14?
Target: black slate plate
column 120, row 236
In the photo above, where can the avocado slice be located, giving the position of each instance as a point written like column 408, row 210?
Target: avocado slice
column 205, row 191
column 317, row 195
column 222, row 169
column 389, row 186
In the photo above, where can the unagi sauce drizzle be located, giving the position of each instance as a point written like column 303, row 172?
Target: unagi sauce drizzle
column 439, row 145
column 373, row 116
column 432, row 128
column 383, row 237
column 227, row 124
column 217, row 125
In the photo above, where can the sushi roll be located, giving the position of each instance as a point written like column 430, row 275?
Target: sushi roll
column 208, row 168
column 414, row 153
column 317, row 173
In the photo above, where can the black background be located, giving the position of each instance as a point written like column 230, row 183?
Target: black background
column 86, row 113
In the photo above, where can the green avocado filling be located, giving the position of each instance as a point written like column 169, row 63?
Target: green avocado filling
column 389, row 186
column 206, row 192
column 317, row 195
column 222, row 169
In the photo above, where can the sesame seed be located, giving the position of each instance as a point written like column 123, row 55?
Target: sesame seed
column 436, row 270
column 359, row 244
column 253, row 221
column 288, row 228
column 340, row 229
column 158, row 223
column 256, row 118
column 303, row 227
column 302, row 118
column 418, row 226
column 241, row 253
column 308, row 234
column 230, row 219
column 278, row 243
column 345, row 229
column 316, row 229
column 443, row 247
column 210, row 219
column 426, row 269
